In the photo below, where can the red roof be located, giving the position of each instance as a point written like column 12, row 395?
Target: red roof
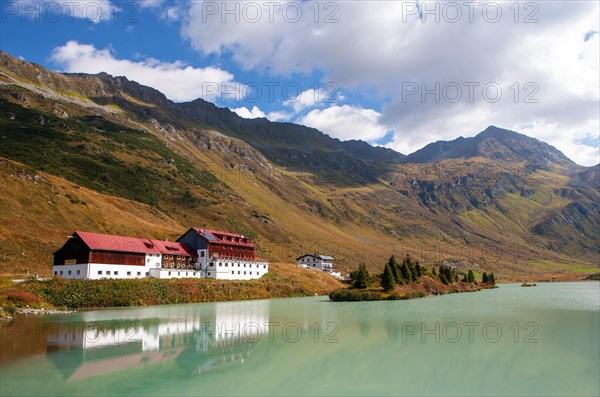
column 108, row 242
column 218, row 237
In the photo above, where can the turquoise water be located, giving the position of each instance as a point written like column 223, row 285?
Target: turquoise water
column 508, row 341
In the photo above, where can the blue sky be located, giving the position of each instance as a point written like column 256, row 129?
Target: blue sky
column 390, row 73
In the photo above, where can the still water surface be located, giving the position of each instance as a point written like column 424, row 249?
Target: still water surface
column 508, row 341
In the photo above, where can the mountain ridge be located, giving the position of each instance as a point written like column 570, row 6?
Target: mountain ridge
column 292, row 188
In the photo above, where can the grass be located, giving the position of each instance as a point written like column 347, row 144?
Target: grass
column 281, row 281
column 108, row 158
column 563, row 267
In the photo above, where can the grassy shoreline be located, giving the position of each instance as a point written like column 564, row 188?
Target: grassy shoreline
column 426, row 286
column 282, row 281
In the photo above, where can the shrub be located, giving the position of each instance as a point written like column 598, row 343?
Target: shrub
column 348, row 295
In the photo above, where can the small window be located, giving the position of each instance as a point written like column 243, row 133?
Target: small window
column 129, row 273
column 139, row 273
column 99, row 272
column 56, row 273
column 238, row 272
column 147, row 274
column 69, row 272
column 78, row 271
column 61, row 272
column 209, row 273
column 116, row 273
column 264, row 266
column 244, row 272
column 169, row 273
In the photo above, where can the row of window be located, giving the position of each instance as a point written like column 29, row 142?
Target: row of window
column 69, row 272
column 212, row 264
column 116, row 273
column 208, row 274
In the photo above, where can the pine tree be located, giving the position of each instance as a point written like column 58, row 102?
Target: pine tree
column 411, row 266
column 360, row 277
column 387, row 278
column 434, row 272
column 492, row 279
column 465, row 278
column 405, row 271
column 419, row 269
column 395, row 269
column 485, row 278
column 470, row 277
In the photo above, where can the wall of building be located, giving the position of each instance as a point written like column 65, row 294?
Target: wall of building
column 311, row 262
column 74, row 251
column 231, row 250
column 118, row 258
column 71, row 272
column 223, row 269
column 192, row 239
column 175, row 273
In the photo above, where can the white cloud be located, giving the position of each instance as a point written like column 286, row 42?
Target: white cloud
column 176, row 80
column 379, row 45
column 53, row 11
column 311, row 98
column 244, row 112
column 347, row 122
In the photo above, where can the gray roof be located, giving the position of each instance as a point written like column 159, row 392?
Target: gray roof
column 322, row 257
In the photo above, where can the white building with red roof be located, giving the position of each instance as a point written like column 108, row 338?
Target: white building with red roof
column 223, row 255
column 198, row 253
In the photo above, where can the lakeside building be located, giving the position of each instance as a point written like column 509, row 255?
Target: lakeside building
column 319, row 262
column 316, row 261
column 199, row 253
column 223, row 255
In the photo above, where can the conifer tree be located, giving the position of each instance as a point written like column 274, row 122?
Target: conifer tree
column 470, row 277
column 387, row 278
column 492, row 279
column 360, row 277
column 405, row 271
column 393, row 263
column 485, row 278
column 419, row 270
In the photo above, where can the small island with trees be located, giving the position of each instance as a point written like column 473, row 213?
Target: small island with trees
column 409, row 279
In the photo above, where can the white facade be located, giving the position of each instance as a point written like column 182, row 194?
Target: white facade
column 235, row 269
column 96, row 271
column 217, row 268
column 319, row 262
column 175, row 273
column 231, row 268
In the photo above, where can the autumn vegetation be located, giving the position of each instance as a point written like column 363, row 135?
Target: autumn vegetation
column 282, row 281
column 409, row 279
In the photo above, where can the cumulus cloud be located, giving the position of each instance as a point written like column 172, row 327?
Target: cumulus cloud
column 384, row 45
column 246, row 113
column 178, row 81
column 347, row 122
column 310, row 98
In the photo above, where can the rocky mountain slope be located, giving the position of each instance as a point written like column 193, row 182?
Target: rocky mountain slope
column 106, row 154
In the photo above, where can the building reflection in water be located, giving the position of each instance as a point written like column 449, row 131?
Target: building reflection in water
column 196, row 341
